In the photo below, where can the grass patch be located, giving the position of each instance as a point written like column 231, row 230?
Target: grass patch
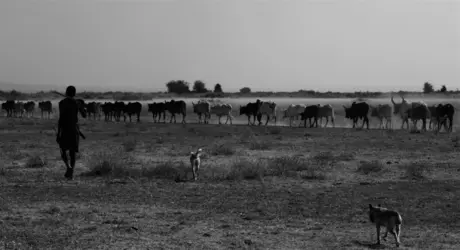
column 36, row 161
column 369, row 167
column 273, row 131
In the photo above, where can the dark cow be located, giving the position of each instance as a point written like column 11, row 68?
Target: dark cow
column 107, row 109
column 94, row 108
column 176, row 107
column 132, row 108
column 358, row 111
column 29, row 107
column 445, row 112
column 433, row 116
column 46, row 106
column 418, row 112
column 118, row 108
column 309, row 113
column 8, row 106
column 252, row 108
column 18, row 109
column 157, row 110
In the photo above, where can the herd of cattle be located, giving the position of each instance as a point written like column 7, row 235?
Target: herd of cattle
column 439, row 115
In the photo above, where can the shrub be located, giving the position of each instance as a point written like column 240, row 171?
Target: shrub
column 259, row 145
column 415, row 171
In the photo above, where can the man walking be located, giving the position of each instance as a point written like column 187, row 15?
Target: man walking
column 68, row 134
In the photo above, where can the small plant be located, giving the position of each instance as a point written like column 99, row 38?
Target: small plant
column 36, row 162
column 274, row 131
column 368, row 167
column 323, row 157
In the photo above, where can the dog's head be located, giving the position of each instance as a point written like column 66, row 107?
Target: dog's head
column 372, row 211
column 195, row 155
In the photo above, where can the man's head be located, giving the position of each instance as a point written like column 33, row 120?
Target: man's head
column 70, row 91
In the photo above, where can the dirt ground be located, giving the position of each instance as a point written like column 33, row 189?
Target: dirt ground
column 259, row 187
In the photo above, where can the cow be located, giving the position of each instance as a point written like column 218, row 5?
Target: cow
column 46, row 106
column 222, row 110
column 202, row 108
column 358, row 111
column 309, row 113
column 94, row 108
column 107, row 109
column 29, row 108
column 268, row 109
column 293, row 111
column 8, row 106
column 18, row 109
column 326, row 111
column 445, row 112
column 402, row 109
column 418, row 111
column 81, row 105
column 132, row 108
column 383, row 111
column 157, row 110
column 251, row 109
column 176, row 107
column 118, row 108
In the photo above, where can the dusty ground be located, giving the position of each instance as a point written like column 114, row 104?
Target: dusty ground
column 260, row 188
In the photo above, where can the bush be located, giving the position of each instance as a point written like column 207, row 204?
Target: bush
column 415, row 171
column 223, row 149
column 129, row 144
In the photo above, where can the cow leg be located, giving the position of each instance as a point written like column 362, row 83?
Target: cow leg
column 183, row 117
column 268, row 118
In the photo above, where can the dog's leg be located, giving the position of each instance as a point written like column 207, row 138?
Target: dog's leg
column 397, row 234
column 378, row 234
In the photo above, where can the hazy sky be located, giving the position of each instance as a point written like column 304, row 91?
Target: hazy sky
column 265, row 45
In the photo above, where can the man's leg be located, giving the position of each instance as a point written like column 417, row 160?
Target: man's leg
column 68, row 173
column 72, row 155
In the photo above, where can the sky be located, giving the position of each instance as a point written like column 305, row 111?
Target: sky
column 281, row 45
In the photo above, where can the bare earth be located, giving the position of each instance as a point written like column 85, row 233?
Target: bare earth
column 259, row 187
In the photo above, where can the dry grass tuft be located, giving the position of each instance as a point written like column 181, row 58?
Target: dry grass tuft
column 370, row 167
column 36, row 161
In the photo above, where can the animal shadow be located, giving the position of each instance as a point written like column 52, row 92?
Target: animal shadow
column 369, row 245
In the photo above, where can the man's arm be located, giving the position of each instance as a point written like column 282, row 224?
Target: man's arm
column 58, row 135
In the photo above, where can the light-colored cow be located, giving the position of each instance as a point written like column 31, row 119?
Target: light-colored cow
column 383, row 111
column 268, row 109
column 293, row 111
column 202, row 108
column 222, row 110
column 326, row 111
column 402, row 109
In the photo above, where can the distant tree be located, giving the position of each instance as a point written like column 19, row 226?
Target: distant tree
column 178, row 87
column 218, row 88
column 443, row 89
column 245, row 90
column 428, row 88
column 199, row 87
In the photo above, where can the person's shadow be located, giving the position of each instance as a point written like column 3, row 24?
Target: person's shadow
column 369, row 245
